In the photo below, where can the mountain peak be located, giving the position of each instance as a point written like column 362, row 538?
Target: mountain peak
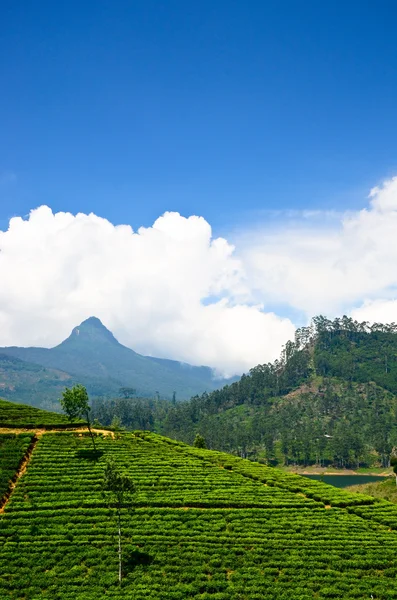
column 92, row 322
column 90, row 330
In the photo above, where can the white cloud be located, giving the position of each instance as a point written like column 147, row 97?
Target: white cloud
column 173, row 290
column 147, row 286
column 376, row 311
column 328, row 269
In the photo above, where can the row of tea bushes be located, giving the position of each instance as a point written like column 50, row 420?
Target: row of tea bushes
column 201, row 526
column 14, row 415
column 382, row 511
column 163, row 477
column 12, row 450
column 238, row 554
column 316, row 490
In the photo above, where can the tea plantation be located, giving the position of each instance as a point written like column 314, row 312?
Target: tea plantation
column 23, row 416
column 201, row 525
column 12, row 450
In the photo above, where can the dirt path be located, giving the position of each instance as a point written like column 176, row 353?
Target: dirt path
column 325, row 471
column 39, row 432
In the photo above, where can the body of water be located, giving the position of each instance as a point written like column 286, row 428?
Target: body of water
column 341, row 481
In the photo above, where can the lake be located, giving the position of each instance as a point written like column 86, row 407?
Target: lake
column 341, row 481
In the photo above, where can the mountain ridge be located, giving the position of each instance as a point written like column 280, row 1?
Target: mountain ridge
column 93, row 356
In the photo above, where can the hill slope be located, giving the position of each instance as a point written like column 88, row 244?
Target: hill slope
column 330, row 399
column 26, row 381
column 386, row 489
column 92, row 356
column 235, row 538
column 22, row 416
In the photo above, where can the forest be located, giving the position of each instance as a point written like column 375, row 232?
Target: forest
column 330, row 399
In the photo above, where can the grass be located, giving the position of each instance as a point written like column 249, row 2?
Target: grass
column 386, row 489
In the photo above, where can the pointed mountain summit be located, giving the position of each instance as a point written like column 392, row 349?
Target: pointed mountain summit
column 92, row 330
column 91, row 355
column 92, row 325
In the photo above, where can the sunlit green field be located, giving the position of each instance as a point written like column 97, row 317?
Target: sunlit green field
column 201, row 524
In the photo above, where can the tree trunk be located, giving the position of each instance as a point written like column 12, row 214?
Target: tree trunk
column 91, row 434
column 119, row 522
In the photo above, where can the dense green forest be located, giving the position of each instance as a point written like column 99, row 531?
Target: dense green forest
column 329, row 399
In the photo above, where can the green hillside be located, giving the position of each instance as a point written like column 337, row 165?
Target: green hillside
column 26, row 381
column 202, row 525
column 22, row 416
column 386, row 490
column 329, row 400
column 91, row 355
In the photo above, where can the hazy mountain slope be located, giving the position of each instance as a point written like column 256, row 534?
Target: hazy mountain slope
column 24, row 381
column 93, row 356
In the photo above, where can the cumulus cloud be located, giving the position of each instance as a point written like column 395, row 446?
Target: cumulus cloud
column 174, row 290
column 376, row 311
column 169, row 290
column 348, row 265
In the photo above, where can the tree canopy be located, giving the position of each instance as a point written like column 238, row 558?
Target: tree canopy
column 75, row 403
column 330, row 398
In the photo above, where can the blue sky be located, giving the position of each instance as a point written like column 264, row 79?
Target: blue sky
column 271, row 120
column 223, row 109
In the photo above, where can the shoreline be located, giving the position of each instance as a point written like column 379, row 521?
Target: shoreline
column 344, row 472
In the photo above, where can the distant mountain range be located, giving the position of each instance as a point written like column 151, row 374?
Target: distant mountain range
column 91, row 355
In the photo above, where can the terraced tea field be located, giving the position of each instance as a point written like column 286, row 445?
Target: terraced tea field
column 201, row 525
column 13, row 447
column 23, row 416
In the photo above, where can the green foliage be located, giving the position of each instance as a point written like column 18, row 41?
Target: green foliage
column 133, row 413
column 116, row 423
column 245, row 531
column 20, row 415
column 393, row 463
column 75, row 403
column 24, row 381
column 357, row 352
column 127, row 392
column 199, row 441
column 329, row 400
column 385, row 490
column 115, row 484
column 12, row 450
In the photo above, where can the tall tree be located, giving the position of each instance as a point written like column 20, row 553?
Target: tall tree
column 115, row 486
column 127, row 392
column 393, row 463
column 199, row 441
column 75, row 404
